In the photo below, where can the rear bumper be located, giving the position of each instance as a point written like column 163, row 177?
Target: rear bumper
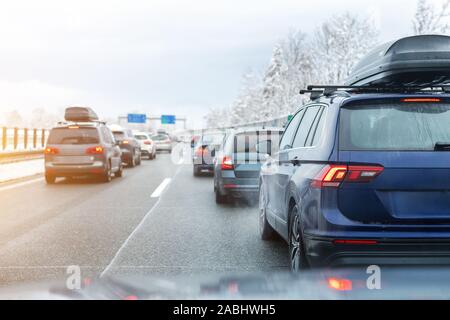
column 204, row 167
column 98, row 167
column 239, row 187
column 127, row 155
column 146, row 149
column 322, row 252
column 164, row 147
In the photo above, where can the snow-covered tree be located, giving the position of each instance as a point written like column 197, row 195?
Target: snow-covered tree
column 217, row 118
column 339, row 44
column 431, row 20
column 41, row 118
column 247, row 105
column 13, row 119
column 299, row 60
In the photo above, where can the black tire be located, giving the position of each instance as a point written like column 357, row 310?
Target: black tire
column 150, row 156
column 220, row 198
column 139, row 160
column 196, row 172
column 265, row 229
column 119, row 173
column 107, row 176
column 297, row 255
column 132, row 162
column 50, row 179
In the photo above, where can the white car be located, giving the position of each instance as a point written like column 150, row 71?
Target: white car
column 148, row 146
column 163, row 142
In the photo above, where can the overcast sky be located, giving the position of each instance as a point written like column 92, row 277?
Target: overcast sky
column 170, row 57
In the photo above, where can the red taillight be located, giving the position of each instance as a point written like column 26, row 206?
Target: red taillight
column 363, row 174
column 412, row 100
column 227, row 163
column 330, row 176
column 356, row 242
column 50, row 150
column 340, row 284
column 95, row 150
column 333, row 175
column 147, row 142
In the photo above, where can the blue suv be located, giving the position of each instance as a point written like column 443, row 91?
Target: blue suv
column 362, row 177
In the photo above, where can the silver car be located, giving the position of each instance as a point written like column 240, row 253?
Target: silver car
column 87, row 149
column 163, row 142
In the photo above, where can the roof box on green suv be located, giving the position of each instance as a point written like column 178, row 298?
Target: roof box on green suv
column 415, row 61
column 80, row 114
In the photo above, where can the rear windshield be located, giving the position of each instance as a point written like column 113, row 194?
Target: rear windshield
column 73, row 136
column 211, row 139
column 118, row 135
column 246, row 142
column 394, row 127
column 160, row 137
column 141, row 137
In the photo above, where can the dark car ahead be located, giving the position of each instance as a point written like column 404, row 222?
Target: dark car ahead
column 362, row 178
column 129, row 145
column 237, row 164
column 82, row 149
column 204, row 152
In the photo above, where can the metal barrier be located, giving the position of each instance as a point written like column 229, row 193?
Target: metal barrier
column 22, row 140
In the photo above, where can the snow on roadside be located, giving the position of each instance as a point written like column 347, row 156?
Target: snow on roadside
column 22, row 169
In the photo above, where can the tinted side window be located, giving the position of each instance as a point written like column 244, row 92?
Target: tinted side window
column 305, row 127
column 286, row 140
column 319, row 129
column 107, row 137
column 310, row 138
column 75, row 136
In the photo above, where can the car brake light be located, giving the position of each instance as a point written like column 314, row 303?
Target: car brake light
column 50, row 150
column 74, row 127
column 363, row 174
column 330, row 176
column 421, row 100
column 333, row 175
column 95, row 150
column 125, row 142
column 147, row 142
column 227, row 163
column 340, row 284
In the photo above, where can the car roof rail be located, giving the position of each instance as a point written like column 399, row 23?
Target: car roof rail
column 318, row 91
column 80, row 123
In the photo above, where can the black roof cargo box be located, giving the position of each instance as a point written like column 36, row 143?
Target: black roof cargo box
column 415, row 61
column 80, row 114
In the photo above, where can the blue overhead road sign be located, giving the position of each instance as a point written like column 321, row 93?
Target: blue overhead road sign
column 166, row 119
column 137, row 118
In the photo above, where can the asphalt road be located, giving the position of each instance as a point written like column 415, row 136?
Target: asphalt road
column 119, row 228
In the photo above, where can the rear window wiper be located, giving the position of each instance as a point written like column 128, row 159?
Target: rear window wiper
column 442, row 146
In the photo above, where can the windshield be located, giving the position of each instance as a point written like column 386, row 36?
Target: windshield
column 216, row 139
column 77, row 136
column 395, row 127
column 225, row 149
column 160, row 137
column 141, row 137
column 119, row 135
column 248, row 142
